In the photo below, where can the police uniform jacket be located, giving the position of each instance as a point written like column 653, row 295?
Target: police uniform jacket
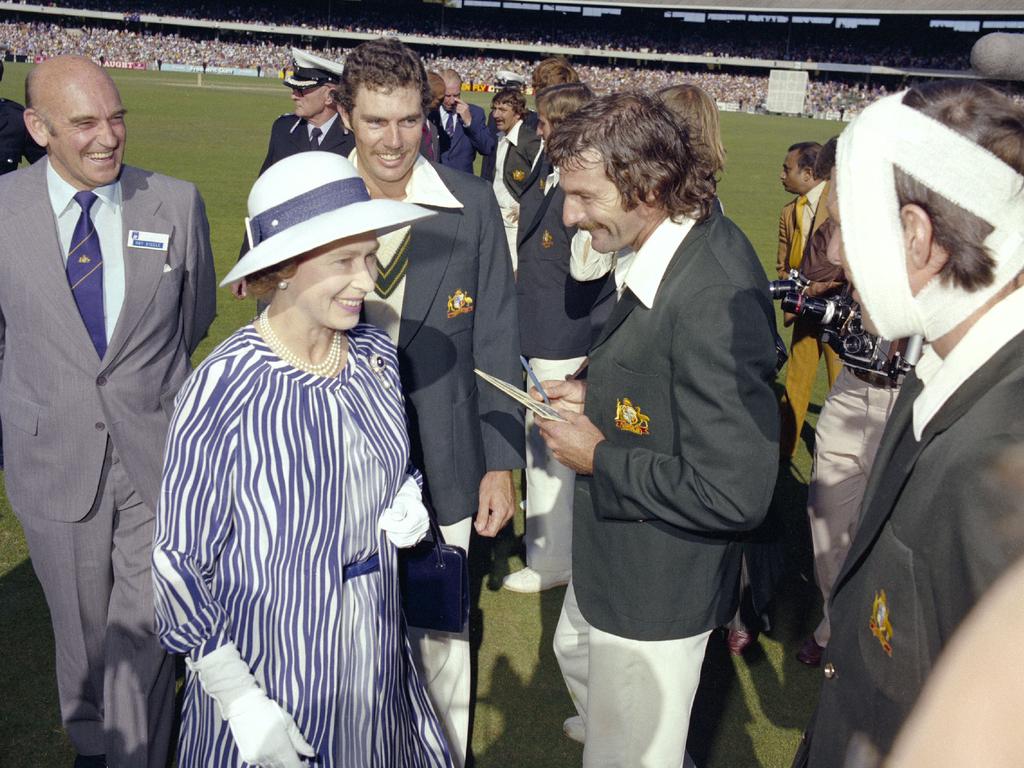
column 15, row 141
column 689, row 462
column 554, row 309
column 289, row 136
column 931, row 540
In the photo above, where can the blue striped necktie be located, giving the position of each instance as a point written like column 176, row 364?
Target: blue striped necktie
column 85, row 273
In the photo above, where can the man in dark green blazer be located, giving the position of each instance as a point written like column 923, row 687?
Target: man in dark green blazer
column 674, row 435
column 930, row 185
column 445, row 295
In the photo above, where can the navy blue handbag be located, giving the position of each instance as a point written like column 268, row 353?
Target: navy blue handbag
column 434, row 581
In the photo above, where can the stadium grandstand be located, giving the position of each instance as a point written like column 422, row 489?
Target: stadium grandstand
column 852, row 53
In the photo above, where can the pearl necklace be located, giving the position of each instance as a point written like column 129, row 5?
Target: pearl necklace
column 327, row 367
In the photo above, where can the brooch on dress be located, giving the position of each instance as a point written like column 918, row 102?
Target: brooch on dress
column 379, row 368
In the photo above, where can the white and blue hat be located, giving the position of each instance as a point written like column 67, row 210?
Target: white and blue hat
column 307, row 200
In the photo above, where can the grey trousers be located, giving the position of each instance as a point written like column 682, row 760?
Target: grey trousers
column 116, row 684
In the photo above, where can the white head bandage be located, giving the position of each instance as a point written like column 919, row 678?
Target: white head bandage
column 888, row 134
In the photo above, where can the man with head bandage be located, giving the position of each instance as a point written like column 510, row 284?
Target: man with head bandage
column 930, row 197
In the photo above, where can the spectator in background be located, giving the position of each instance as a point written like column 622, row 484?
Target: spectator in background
column 799, row 220
column 15, row 141
column 515, row 157
column 461, row 127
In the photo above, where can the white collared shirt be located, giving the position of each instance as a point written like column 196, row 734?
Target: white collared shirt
column 425, row 187
column 323, row 129
column 106, row 217
column 944, row 376
column 505, row 200
column 641, row 271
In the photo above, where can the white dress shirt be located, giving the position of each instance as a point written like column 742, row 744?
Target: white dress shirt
column 323, row 129
column 944, row 376
column 641, row 271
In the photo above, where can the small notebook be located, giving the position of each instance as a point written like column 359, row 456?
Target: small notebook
column 543, row 410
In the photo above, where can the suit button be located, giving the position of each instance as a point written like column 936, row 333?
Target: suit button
column 101, row 381
column 829, row 670
column 100, row 425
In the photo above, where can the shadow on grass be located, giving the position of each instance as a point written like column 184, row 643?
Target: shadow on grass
column 31, row 735
column 784, row 691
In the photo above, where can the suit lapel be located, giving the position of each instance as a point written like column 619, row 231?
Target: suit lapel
column 626, row 304
column 431, row 243
column 894, row 466
column 538, row 217
column 299, row 136
column 41, row 240
column 541, row 166
column 888, row 478
column 143, row 268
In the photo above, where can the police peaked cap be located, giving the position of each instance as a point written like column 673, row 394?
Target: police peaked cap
column 308, row 70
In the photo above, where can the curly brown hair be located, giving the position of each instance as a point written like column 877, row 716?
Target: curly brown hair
column 383, row 64
column 991, row 120
column 646, row 154
column 513, row 97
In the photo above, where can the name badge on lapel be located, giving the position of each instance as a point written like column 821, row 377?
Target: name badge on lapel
column 149, row 241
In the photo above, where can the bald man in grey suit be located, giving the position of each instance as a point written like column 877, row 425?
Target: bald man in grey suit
column 93, row 347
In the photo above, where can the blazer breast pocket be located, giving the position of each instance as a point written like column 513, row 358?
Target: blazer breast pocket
column 636, row 406
column 20, row 413
column 890, row 623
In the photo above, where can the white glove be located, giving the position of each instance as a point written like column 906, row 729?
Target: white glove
column 406, row 521
column 264, row 733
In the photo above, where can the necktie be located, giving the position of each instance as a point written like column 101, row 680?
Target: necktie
column 314, row 138
column 796, row 246
column 85, row 273
column 449, row 127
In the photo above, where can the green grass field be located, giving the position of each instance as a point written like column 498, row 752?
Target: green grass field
column 749, row 711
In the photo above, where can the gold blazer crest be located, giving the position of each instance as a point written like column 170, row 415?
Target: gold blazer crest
column 459, row 303
column 629, row 417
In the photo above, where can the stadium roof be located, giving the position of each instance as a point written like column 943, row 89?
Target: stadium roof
column 874, row 7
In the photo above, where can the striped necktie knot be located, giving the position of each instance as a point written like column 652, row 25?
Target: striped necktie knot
column 85, row 199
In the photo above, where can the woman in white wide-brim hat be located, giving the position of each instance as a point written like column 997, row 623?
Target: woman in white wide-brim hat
column 286, row 490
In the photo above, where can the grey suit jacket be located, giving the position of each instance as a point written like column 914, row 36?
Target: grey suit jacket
column 689, row 463
column 58, row 402
column 460, row 427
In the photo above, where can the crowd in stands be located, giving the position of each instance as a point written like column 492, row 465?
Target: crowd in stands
column 745, row 91
column 647, row 33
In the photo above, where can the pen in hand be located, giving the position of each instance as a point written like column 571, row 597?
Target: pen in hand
column 534, row 379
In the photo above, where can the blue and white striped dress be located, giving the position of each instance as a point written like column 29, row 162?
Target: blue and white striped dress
column 274, row 480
